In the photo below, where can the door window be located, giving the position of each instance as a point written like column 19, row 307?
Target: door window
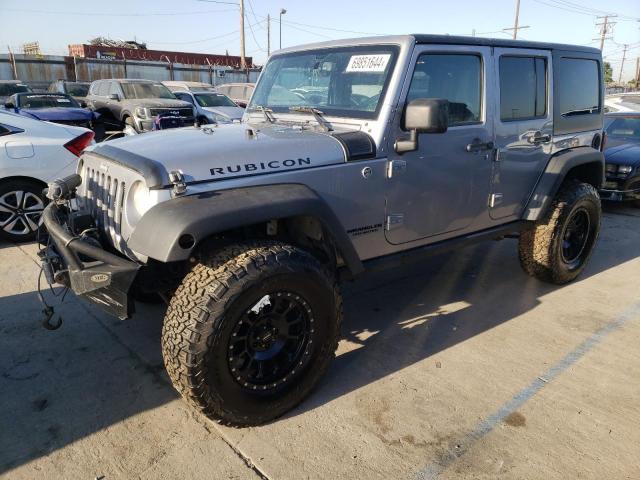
column 523, row 88
column 456, row 78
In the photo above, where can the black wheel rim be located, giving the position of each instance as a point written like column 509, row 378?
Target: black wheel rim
column 271, row 341
column 575, row 238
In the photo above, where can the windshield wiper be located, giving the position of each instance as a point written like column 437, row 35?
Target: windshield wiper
column 318, row 115
column 580, row 111
column 267, row 112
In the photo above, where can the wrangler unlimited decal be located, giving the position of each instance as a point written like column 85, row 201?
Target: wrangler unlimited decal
column 253, row 167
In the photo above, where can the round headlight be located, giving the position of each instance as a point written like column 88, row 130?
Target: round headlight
column 139, row 201
column 624, row 169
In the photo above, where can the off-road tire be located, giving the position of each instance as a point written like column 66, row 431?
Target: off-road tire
column 541, row 246
column 32, row 189
column 204, row 311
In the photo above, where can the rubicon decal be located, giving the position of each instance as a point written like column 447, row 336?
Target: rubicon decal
column 261, row 166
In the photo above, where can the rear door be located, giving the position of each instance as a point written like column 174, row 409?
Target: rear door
column 523, row 128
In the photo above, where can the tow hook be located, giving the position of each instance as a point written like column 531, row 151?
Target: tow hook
column 48, row 315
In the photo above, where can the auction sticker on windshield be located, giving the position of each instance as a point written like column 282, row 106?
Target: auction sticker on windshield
column 368, row 63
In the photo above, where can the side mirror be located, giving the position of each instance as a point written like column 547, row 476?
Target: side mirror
column 83, row 104
column 114, row 96
column 423, row 115
column 9, row 105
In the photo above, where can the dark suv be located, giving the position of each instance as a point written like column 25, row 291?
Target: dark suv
column 136, row 103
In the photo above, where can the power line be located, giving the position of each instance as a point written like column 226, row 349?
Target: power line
column 104, row 14
column 197, row 41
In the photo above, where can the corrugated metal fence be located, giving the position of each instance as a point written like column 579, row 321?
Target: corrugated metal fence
column 44, row 69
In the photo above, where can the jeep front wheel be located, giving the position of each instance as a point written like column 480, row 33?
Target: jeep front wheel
column 556, row 249
column 251, row 330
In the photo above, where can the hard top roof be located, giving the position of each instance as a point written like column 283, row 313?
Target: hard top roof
column 500, row 42
column 442, row 40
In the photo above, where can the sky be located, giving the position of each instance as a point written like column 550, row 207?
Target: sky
column 212, row 26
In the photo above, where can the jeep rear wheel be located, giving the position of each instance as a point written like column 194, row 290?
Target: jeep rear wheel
column 251, row 330
column 559, row 245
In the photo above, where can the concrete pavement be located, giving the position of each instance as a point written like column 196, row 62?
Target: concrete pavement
column 460, row 366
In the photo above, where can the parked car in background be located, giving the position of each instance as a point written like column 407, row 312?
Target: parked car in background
column 238, row 92
column 9, row 87
column 179, row 86
column 77, row 90
column 622, row 102
column 57, row 108
column 212, row 107
column 136, row 103
column 32, row 153
column 622, row 157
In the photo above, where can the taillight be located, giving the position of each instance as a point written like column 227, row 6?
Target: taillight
column 78, row 144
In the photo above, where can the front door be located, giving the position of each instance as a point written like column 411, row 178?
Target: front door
column 524, row 126
column 441, row 188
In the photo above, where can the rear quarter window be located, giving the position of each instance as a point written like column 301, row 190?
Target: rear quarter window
column 578, row 95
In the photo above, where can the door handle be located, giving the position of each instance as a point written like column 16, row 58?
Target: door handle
column 478, row 146
column 538, row 137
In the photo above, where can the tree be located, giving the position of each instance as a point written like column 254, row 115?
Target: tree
column 608, row 73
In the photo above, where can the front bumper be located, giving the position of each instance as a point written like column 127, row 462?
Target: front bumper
column 618, row 190
column 86, row 268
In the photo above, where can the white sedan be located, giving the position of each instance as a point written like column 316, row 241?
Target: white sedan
column 32, row 153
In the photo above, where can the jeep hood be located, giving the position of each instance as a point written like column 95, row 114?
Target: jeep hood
column 226, row 151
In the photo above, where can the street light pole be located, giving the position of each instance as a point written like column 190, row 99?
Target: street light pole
column 268, row 35
column 282, row 12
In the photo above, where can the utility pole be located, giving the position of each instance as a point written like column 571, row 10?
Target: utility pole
column 606, row 28
column 268, row 34
column 516, row 23
column 637, row 72
column 624, row 57
column 243, row 60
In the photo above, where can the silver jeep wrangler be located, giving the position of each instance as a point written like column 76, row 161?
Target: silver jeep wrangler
column 351, row 155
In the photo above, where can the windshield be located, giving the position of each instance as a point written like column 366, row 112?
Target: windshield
column 348, row 82
column 623, row 127
column 46, row 101
column 77, row 89
column 146, row 90
column 214, row 100
column 7, row 89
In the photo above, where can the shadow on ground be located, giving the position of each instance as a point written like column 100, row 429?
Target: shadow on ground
column 58, row 387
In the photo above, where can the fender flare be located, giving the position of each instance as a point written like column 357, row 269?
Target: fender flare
column 158, row 232
column 558, row 169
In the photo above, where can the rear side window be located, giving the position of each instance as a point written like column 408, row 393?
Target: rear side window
column 577, row 92
column 523, row 88
column 457, row 78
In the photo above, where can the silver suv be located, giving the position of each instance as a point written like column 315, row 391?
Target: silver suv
column 353, row 154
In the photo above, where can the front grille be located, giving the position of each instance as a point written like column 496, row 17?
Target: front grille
column 104, row 197
column 182, row 112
